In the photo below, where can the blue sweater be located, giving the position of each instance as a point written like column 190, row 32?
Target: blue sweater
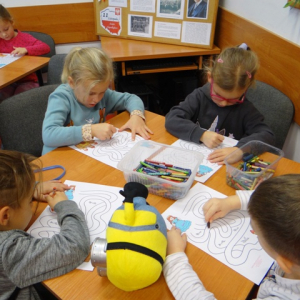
column 63, row 109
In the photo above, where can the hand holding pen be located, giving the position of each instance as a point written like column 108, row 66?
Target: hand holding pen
column 216, row 208
column 211, row 139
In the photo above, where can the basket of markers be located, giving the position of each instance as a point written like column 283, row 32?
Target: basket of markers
column 251, row 164
column 167, row 171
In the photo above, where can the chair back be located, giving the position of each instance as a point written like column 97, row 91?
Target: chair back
column 46, row 38
column 55, row 67
column 275, row 106
column 21, row 120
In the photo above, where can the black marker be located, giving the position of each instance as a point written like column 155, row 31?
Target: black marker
column 208, row 224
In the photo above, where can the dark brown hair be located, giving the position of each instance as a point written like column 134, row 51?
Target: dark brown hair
column 17, row 179
column 5, row 15
column 275, row 207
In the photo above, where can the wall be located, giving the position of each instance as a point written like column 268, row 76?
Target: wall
column 269, row 14
column 284, row 22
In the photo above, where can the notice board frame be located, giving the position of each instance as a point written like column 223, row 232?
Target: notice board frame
column 160, row 21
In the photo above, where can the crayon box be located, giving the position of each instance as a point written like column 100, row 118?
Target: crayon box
column 173, row 157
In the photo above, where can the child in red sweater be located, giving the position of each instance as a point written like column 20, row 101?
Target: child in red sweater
column 16, row 42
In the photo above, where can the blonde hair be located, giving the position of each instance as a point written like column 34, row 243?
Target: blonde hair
column 17, row 179
column 5, row 15
column 234, row 68
column 87, row 64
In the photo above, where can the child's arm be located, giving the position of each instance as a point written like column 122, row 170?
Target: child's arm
column 27, row 44
column 116, row 101
column 216, row 208
column 211, row 139
column 181, row 279
column 218, row 155
column 29, row 260
column 46, row 187
column 137, row 125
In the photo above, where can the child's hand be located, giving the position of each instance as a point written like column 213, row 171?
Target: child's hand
column 137, row 125
column 19, row 51
column 176, row 241
column 211, row 139
column 216, row 208
column 219, row 155
column 54, row 198
column 103, row 131
column 46, row 187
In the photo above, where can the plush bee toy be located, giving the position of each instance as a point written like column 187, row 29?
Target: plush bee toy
column 136, row 242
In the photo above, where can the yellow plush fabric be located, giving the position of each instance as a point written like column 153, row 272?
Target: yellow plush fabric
column 130, row 270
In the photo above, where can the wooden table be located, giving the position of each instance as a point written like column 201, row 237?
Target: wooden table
column 125, row 50
column 21, row 68
column 221, row 280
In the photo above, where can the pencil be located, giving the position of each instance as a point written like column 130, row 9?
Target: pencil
column 54, row 191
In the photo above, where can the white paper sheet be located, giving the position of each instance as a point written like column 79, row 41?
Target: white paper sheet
column 6, row 58
column 98, row 202
column 228, row 239
column 111, row 151
column 206, row 169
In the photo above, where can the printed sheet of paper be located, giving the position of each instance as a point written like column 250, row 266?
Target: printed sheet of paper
column 206, row 169
column 98, row 202
column 6, row 58
column 228, row 239
column 111, row 151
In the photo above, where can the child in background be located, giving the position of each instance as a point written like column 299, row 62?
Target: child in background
column 16, row 42
column 73, row 112
column 221, row 107
column 274, row 209
column 26, row 261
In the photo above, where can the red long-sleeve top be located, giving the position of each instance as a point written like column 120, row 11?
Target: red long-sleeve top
column 34, row 47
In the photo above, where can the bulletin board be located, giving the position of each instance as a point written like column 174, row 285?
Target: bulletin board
column 179, row 22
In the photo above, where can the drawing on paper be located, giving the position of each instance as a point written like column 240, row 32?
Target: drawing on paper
column 228, row 239
column 86, row 144
column 206, row 169
column 183, row 225
column 110, row 151
column 69, row 192
column 98, row 202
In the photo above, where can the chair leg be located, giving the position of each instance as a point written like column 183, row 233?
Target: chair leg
column 40, row 77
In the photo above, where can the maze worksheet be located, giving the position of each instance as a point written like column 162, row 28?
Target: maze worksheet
column 98, row 202
column 111, row 151
column 206, row 168
column 228, row 239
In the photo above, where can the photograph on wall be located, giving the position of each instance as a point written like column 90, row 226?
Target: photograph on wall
column 147, row 6
column 170, row 9
column 197, row 9
column 140, row 26
column 110, row 20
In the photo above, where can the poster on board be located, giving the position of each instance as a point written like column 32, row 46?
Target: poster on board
column 179, row 22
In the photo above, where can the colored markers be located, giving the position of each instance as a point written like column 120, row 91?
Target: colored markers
column 164, row 170
column 251, row 172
